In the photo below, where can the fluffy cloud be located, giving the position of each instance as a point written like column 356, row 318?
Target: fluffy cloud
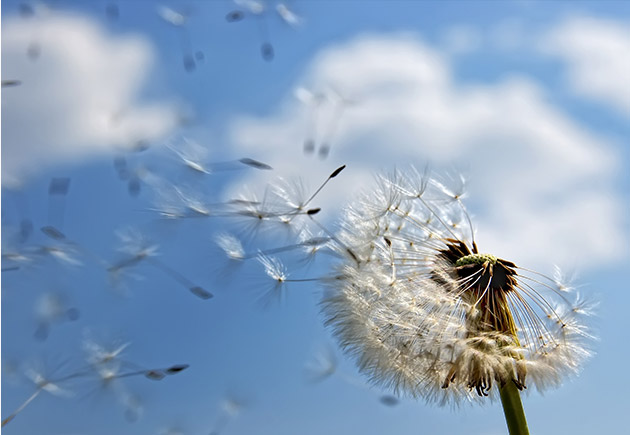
column 597, row 54
column 540, row 183
column 79, row 95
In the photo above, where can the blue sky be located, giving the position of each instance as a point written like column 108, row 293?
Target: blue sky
column 529, row 100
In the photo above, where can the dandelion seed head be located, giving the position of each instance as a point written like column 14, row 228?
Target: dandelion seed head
column 424, row 313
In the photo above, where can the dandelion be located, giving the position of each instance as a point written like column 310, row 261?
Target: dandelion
column 424, row 312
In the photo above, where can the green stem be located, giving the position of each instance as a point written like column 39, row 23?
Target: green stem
column 513, row 409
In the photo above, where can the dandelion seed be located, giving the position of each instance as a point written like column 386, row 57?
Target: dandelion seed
column 260, row 212
column 425, row 313
column 234, row 16
column 52, row 308
column 388, row 400
column 231, row 407
column 141, row 250
column 53, row 232
column 110, row 369
column 313, row 245
column 132, row 175
column 112, row 12
column 172, row 17
column 231, row 246
column 99, row 355
column 176, row 369
column 42, row 383
column 258, row 10
column 322, row 365
column 57, row 191
column 179, row 20
column 277, row 272
column 13, row 251
column 339, row 105
column 191, row 154
column 63, row 252
column 255, row 164
column 313, row 102
column 11, row 83
column 287, row 15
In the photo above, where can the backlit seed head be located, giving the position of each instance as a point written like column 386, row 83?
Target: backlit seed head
column 423, row 312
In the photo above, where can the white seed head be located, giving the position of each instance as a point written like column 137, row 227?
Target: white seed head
column 427, row 315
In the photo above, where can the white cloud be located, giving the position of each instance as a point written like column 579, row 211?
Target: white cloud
column 597, row 54
column 540, row 183
column 78, row 98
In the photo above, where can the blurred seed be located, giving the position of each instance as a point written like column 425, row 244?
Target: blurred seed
column 288, row 15
column 234, row 16
column 33, row 51
column 26, row 10
column 26, row 229
column 53, row 232
column 131, row 415
column 73, row 314
column 189, row 63
column 172, row 17
column 141, row 145
column 133, row 186
column 309, row 146
column 59, row 186
column 389, row 400
column 201, row 293
column 112, row 12
column 41, row 333
column 154, row 375
column 121, row 167
column 324, row 150
column 266, row 49
column 10, row 83
column 255, row 163
column 176, row 369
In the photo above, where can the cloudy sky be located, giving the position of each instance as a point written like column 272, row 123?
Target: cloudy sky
column 528, row 100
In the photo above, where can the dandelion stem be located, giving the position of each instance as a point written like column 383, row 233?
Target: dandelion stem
column 513, row 409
